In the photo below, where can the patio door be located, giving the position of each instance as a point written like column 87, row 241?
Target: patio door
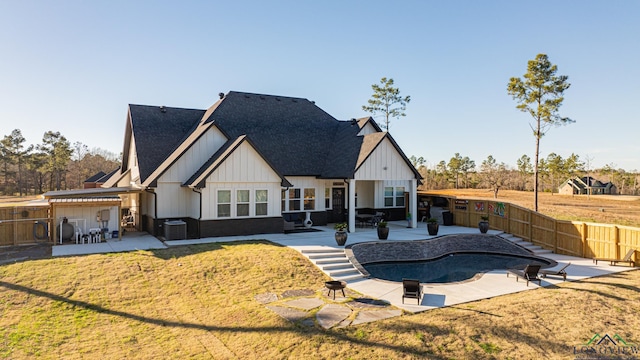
column 337, row 199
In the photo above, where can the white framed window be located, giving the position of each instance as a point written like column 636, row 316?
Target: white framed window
column 262, row 201
column 388, row 196
column 327, row 198
column 394, row 196
column 310, row 199
column 242, row 202
column 224, row 203
column 400, row 196
column 294, row 199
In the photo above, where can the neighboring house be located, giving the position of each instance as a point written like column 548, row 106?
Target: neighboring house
column 97, row 180
column 586, row 185
column 239, row 166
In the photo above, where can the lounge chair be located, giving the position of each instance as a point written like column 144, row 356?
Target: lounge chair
column 626, row 259
column 562, row 272
column 530, row 273
column 411, row 289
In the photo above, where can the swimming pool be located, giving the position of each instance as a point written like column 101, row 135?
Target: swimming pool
column 451, row 258
column 450, row 268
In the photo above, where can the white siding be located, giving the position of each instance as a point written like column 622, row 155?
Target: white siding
column 85, row 217
column 173, row 200
column 385, row 163
column 367, row 129
column 366, row 194
column 195, row 157
column 133, row 161
column 379, row 189
column 307, row 182
column 244, row 169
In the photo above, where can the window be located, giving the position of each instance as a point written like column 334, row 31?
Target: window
column 294, row 199
column 400, row 196
column 261, row 202
column 388, row 196
column 224, row 203
column 327, row 198
column 242, row 203
column 309, row 199
column 394, row 196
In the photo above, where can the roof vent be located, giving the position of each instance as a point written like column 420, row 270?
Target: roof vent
column 313, row 102
column 221, row 95
column 353, row 121
column 163, row 109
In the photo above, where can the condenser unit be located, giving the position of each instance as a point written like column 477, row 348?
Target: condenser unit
column 175, row 230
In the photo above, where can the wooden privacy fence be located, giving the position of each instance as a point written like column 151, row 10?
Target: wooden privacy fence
column 21, row 225
column 575, row 238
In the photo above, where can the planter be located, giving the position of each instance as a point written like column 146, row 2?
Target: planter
column 341, row 237
column 433, row 228
column 383, row 233
column 483, row 226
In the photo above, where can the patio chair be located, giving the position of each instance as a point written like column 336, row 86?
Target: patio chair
column 626, row 259
column 530, row 273
column 561, row 272
column 411, row 289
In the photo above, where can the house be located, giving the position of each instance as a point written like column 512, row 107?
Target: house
column 97, row 180
column 586, row 185
column 239, row 166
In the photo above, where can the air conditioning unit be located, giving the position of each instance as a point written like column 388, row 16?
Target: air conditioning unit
column 175, row 230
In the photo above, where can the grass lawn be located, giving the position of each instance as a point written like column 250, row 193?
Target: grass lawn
column 197, row 302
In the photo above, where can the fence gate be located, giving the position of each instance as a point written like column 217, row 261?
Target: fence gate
column 22, row 225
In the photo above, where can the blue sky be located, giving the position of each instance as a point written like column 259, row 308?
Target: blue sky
column 74, row 66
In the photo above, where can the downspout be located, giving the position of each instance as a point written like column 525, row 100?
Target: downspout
column 155, row 208
column 199, row 192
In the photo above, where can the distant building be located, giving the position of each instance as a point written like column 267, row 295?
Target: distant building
column 587, row 185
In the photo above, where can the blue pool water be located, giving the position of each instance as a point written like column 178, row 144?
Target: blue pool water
column 450, row 268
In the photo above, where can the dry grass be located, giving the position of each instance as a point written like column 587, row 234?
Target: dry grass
column 197, row 302
column 607, row 209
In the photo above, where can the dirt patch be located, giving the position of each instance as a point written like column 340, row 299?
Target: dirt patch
column 10, row 254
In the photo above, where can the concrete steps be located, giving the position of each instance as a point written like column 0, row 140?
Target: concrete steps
column 535, row 249
column 333, row 262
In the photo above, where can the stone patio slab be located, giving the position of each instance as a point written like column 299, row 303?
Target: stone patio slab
column 305, row 303
column 332, row 314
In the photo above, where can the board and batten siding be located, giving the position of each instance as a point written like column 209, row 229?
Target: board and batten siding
column 385, row 163
column 195, row 156
column 132, row 161
column 173, row 200
column 244, row 169
column 367, row 129
column 379, row 190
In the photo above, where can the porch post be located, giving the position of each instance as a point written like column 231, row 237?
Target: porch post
column 413, row 206
column 352, row 205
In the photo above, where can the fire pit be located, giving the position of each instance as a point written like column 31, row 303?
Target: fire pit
column 335, row 285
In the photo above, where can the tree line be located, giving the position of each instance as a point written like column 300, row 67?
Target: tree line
column 54, row 164
column 462, row 172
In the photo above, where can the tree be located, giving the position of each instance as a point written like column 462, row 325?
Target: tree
column 387, row 100
column 540, row 94
column 461, row 165
column 58, row 151
column 525, row 169
column 493, row 174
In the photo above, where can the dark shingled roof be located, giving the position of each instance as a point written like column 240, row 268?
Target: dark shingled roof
column 158, row 131
column 96, row 177
column 294, row 136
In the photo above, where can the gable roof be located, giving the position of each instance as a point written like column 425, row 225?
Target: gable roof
column 158, row 131
column 99, row 175
column 198, row 180
column 293, row 135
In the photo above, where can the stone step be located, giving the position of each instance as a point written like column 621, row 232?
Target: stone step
column 323, row 251
column 347, row 272
column 349, row 277
column 543, row 251
column 329, row 261
column 325, row 256
column 341, row 266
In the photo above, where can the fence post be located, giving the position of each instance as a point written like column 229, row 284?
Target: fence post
column 584, row 239
column 616, row 241
column 555, row 235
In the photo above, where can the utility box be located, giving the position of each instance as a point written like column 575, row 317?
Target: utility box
column 175, row 230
